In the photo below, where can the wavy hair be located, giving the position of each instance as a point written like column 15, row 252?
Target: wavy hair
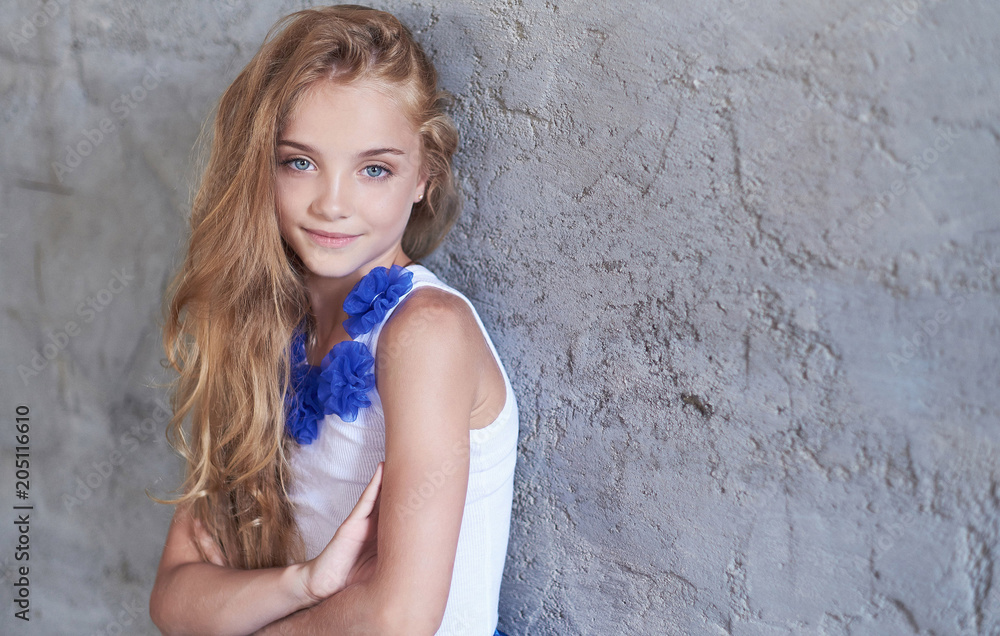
column 239, row 295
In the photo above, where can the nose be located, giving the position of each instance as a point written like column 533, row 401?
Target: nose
column 332, row 199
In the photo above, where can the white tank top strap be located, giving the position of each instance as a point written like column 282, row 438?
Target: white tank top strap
column 423, row 277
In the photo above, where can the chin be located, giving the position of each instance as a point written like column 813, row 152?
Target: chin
column 331, row 270
column 328, row 263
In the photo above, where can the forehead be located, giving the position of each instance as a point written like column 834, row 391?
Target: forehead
column 353, row 116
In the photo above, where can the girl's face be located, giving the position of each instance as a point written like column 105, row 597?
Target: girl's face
column 349, row 172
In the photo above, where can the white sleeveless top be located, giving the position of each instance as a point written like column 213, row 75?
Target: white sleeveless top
column 329, row 475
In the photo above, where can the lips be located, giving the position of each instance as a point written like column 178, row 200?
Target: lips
column 331, row 239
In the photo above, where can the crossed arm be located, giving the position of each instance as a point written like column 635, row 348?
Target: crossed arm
column 193, row 596
column 428, row 373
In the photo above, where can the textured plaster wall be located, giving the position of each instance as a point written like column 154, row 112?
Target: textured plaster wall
column 740, row 258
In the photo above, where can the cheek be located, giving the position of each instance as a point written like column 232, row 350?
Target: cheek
column 279, row 213
column 390, row 210
column 287, row 202
column 282, row 224
column 287, row 218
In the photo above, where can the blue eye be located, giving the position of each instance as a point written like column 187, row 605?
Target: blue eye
column 375, row 171
column 300, row 163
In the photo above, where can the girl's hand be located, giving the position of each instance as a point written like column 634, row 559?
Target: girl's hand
column 208, row 545
column 351, row 555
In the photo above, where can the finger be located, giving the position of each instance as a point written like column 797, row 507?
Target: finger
column 377, row 480
column 366, row 503
column 215, row 555
column 374, row 488
column 208, row 545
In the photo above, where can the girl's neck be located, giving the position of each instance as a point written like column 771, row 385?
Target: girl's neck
column 326, row 298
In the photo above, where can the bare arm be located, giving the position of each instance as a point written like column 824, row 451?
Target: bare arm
column 427, row 373
column 192, row 596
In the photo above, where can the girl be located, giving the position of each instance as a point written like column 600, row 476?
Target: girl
column 316, row 355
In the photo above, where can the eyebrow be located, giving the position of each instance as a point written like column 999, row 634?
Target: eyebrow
column 361, row 155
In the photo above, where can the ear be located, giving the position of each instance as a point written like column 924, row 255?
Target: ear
column 421, row 189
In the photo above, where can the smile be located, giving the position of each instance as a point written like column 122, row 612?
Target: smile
column 331, row 239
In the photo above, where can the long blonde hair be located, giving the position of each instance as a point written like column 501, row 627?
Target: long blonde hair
column 232, row 308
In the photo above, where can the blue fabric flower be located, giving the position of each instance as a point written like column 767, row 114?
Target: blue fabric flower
column 373, row 296
column 346, row 375
column 346, row 378
column 305, row 410
column 302, row 406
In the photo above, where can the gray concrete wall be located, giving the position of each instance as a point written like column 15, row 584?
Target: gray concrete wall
column 740, row 258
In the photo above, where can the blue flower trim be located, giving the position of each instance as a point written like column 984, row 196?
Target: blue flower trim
column 346, row 378
column 346, row 375
column 373, row 296
column 302, row 404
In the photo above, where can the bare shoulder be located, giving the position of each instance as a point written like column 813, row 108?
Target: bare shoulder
column 429, row 344
column 431, row 319
column 434, row 340
column 432, row 336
